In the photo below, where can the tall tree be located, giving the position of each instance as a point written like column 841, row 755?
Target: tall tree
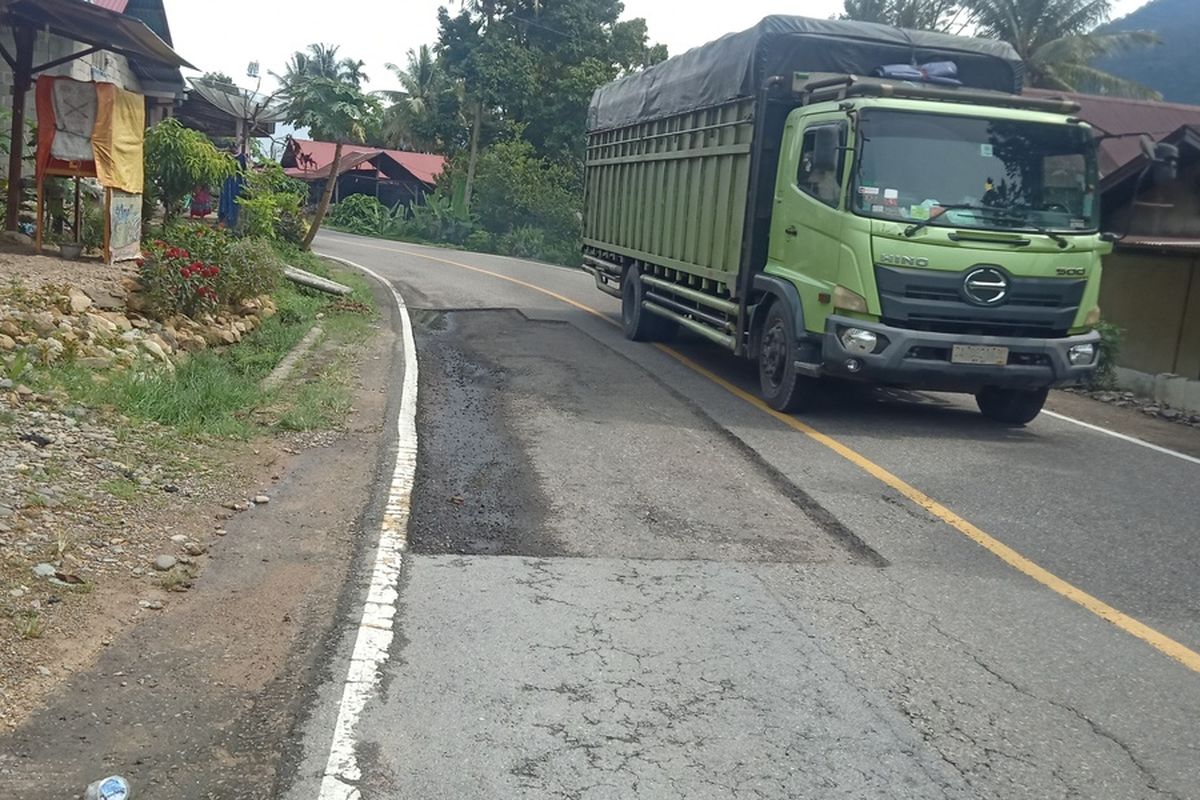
column 426, row 112
column 342, row 112
column 1058, row 41
column 322, row 61
column 946, row 16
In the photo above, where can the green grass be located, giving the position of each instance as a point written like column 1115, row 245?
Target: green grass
column 121, row 489
column 217, row 392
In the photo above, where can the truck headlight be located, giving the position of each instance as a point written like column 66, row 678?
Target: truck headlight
column 1082, row 355
column 847, row 300
column 857, row 340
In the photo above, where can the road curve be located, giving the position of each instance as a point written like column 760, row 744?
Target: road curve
column 628, row 580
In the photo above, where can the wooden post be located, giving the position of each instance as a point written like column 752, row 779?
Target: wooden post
column 23, row 37
column 108, row 226
column 41, row 214
column 78, row 215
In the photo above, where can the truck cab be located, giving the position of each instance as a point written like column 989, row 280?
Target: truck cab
column 935, row 245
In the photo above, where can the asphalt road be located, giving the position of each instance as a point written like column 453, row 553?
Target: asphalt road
column 626, row 580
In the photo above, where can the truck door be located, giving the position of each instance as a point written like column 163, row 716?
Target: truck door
column 806, row 227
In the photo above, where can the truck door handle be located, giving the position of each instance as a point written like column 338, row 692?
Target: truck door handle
column 790, row 230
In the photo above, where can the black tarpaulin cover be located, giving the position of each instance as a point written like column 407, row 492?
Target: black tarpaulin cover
column 737, row 64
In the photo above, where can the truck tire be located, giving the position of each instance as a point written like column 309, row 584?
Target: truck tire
column 780, row 385
column 639, row 324
column 1011, row 406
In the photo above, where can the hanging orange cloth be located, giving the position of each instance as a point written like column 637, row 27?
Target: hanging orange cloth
column 119, row 137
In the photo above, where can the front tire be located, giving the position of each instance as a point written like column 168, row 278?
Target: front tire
column 1011, row 406
column 781, row 386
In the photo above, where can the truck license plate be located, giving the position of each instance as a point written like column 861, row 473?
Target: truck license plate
column 979, row 354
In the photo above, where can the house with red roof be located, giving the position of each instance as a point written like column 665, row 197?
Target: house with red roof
column 391, row 176
column 1151, row 284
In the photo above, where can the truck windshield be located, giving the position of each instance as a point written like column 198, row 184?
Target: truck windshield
column 971, row 172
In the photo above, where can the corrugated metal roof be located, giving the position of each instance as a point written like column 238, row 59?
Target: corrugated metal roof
column 112, row 5
column 425, row 167
column 1123, row 115
column 97, row 26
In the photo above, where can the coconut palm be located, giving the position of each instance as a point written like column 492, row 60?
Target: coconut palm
column 321, row 61
column 1058, row 41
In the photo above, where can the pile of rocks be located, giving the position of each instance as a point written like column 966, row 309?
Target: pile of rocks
column 1147, row 406
column 63, row 323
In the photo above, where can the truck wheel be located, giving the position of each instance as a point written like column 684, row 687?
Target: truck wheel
column 781, row 387
column 641, row 325
column 1011, row 406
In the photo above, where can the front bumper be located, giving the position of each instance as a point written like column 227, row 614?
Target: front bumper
column 921, row 360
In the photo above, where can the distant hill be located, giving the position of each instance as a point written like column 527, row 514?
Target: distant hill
column 1172, row 68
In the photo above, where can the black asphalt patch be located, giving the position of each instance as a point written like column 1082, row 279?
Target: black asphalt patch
column 537, row 440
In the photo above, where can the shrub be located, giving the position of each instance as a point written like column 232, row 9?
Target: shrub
column 272, row 205
column 523, row 242
column 204, row 243
column 361, row 214
column 177, row 159
column 481, row 242
column 1111, row 338
column 439, row 219
column 176, row 282
column 252, row 269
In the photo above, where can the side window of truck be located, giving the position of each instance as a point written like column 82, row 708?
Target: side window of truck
column 818, row 180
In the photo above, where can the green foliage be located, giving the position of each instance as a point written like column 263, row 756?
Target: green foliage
column 176, row 282
column 926, row 15
column 332, row 108
column 272, row 205
column 178, row 159
column 361, row 214
column 252, row 269
column 1111, row 339
column 427, row 113
column 439, row 219
column 1058, row 41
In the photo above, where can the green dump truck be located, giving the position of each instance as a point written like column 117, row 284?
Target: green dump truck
column 927, row 228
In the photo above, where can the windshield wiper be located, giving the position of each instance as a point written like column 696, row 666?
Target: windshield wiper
column 912, row 230
column 1010, row 212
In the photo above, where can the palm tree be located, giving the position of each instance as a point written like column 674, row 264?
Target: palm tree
column 1058, row 41
column 419, row 80
column 321, row 61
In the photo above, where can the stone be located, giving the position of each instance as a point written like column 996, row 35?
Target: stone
column 44, row 570
column 261, row 500
column 7, row 343
column 10, row 328
column 165, row 563
column 131, row 284
column 141, row 323
column 120, row 320
column 179, row 538
column 95, row 362
column 16, row 237
column 136, row 302
column 151, row 605
column 24, row 391
column 78, row 301
column 229, row 336
column 153, row 348
column 98, row 323
column 44, row 323
column 44, row 672
column 1170, row 414
column 195, row 549
column 192, row 344
column 162, row 342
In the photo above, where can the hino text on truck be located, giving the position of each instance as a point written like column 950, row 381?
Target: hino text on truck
column 928, row 227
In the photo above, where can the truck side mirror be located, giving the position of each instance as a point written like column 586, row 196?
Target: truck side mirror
column 825, row 149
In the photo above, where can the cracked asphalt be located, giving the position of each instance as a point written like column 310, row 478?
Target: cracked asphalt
column 625, row 582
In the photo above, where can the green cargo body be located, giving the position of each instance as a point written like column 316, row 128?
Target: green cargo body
column 672, row 193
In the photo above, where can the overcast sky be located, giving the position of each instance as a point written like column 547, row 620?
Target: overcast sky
column 226, row 35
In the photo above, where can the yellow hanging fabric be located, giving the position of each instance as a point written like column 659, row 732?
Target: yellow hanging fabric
column 119, row 137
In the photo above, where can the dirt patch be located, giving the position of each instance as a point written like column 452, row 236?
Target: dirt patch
column 94, row 277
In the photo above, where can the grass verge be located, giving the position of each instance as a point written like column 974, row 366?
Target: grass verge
column 218, row 393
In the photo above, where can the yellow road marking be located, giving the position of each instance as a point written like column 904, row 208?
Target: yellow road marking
column 1159, row 641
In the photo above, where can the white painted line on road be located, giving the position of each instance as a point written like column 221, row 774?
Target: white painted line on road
column 342, row 774
column 1122, row 437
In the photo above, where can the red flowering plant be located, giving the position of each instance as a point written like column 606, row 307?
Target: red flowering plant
column 176, row 282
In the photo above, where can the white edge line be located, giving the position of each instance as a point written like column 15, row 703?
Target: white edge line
column 1123, row 437
column 342, row 774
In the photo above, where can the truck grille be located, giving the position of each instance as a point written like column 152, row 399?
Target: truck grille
column 929, row 300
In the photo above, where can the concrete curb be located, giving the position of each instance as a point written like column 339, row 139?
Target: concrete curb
column 284, row 368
